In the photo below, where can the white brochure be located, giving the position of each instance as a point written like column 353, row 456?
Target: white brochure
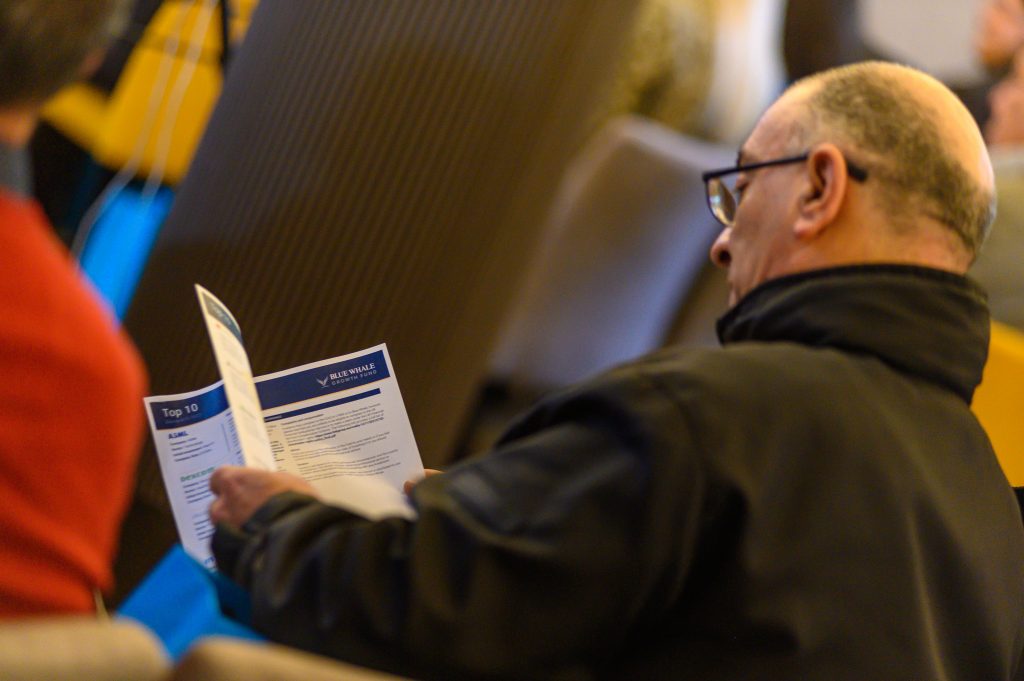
column 339, row 423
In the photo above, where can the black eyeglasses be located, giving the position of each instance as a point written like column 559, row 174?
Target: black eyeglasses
column 722, row 198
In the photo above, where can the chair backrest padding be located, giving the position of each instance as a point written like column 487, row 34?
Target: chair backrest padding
column 73, row 648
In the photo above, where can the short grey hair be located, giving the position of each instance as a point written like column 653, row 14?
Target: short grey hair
column 904, row 147
column 43, row 43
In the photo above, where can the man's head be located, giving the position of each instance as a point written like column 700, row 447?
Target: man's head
column 927, row 198
column 44, row 44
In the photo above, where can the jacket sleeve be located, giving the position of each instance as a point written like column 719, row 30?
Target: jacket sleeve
column 540, row 555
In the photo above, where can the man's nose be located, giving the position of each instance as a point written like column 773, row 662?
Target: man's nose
column 720, row 255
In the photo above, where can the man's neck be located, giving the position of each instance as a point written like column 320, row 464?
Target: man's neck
column 17, row 126
column 868, row 237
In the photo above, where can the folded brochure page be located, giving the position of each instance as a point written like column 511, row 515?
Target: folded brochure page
column 339, row 423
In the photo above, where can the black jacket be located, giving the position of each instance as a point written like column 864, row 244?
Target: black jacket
column 813, row 501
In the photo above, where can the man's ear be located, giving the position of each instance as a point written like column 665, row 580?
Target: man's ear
column 824, row 193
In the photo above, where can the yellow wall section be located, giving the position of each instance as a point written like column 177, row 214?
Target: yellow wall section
column 999, row 401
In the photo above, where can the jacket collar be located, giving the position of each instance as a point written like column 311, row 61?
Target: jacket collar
column 922, row 321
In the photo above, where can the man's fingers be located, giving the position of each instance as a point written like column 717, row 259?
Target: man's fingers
column 410, row 484
column 224, row 483
column 217, row 514
column 220, row 479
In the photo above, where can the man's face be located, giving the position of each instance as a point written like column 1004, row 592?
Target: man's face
column 758, row 244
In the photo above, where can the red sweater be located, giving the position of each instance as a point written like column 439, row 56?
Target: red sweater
column 71, row 419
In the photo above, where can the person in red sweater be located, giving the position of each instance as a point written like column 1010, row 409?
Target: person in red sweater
column 71, row 383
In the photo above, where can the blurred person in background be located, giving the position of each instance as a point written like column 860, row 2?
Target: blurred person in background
column 999, row 33
column 71, row 383
column 705, row 68
column 1005, row 129
column 1000, row 265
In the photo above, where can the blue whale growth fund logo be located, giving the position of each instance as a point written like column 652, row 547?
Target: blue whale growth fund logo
column 358, row 374
column 352, row 373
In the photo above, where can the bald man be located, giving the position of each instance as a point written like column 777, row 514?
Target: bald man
column 814, row 500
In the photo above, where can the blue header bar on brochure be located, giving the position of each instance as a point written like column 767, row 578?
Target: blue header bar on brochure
column 323, row 380
column 179, row 413
column 322, row 405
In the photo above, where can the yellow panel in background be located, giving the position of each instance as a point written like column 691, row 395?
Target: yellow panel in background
column 999, row 400
column 176, row 113
column 174, row 131
column 79, row 111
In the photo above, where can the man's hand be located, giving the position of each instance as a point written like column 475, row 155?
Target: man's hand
column 240, row 491
column 427, row 472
